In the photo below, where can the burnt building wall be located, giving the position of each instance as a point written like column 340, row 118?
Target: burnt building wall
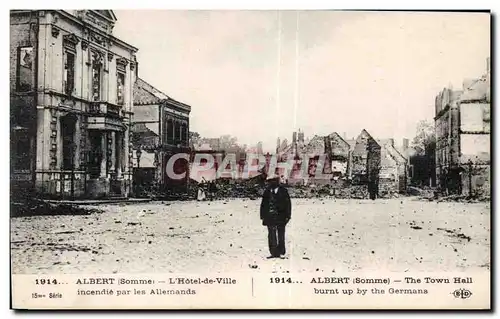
column 365, row 160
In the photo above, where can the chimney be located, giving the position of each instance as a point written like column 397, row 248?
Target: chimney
column 328, row 144
column 391, row 141
column 278, row 145
column 294, row 138
column 344, row 136
column 406, row 143
column 301, row 137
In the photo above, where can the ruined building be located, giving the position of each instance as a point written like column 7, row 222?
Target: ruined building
column 304, row 157
column 421, row 164
column 463, row 138
column 393, row 169
column 340, row 150
column 365, row 162
column 447, row 140
column 317, row 153
column 71, row 86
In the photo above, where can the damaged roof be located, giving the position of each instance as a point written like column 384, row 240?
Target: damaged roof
column 316, row 145
column 338, row 138
column 394, row 153
column 359, row 141
column 142, row 128
column 143, row 134
column 145, row 93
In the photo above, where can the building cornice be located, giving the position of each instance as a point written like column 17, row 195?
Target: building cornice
column 475, row 101
column 94, row 29
column 474, row 132
column 177, row 105
column 87, row 42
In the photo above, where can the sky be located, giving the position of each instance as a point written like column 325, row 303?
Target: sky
column 260, row 75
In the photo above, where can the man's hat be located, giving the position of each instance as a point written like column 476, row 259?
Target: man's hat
column 271, row 177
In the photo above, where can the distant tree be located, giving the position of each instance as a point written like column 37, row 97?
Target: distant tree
column 424, row 159
column 425, row 139
column 227, row 141
column 194, row 137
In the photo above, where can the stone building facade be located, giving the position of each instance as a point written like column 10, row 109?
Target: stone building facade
column 463, row 157
column 71, row 100
column 160, row 131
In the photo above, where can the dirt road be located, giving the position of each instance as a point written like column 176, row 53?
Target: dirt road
column 324, row 235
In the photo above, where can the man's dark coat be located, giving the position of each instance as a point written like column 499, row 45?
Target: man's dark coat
column 283, row 205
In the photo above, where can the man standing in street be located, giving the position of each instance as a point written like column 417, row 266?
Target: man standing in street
column 275, row 213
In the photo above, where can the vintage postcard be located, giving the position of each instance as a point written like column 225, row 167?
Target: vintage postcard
column 250, row 159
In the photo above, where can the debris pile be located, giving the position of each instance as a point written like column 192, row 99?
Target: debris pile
column 425, row 193
column 301, row 191
column 254, row 189
column 358, row 191
column 455, row 233
column 388, row 194
column 225, row 188
column 464, row 198
column 35, row 207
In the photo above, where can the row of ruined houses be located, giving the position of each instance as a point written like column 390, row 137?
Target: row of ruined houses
column 320, row 160
column 362, row 161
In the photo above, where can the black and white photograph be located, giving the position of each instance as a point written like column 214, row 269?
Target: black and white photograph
column 310, row 142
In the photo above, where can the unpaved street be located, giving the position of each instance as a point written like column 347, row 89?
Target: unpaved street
column 324, row 235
